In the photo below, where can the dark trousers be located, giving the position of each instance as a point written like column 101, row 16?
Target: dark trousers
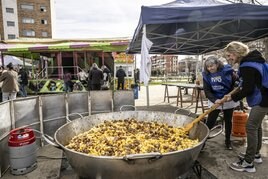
column 68, row 86
column 120, row 83
column 95, row 86
column 254, row 131
column 227, row 115
column 89, row 85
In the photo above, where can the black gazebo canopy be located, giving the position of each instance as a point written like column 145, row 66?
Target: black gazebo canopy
column 193, row 27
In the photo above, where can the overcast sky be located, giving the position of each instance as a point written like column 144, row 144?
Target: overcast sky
column 99, row 18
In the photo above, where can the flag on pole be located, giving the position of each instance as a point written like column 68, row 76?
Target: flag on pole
column 145, row 68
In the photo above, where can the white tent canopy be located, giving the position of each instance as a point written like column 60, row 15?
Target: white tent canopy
column 14, row 60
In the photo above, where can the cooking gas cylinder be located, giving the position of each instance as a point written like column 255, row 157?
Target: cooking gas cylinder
column 22, row 151
column 239, row 123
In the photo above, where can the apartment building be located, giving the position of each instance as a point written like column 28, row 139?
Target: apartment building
column 172, row 65
column 164, row 64
column 25, row 19
column 189, row 65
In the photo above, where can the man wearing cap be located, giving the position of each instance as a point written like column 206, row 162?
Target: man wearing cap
column 10, row 83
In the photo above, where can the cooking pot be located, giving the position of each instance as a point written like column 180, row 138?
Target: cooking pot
column 169, row 165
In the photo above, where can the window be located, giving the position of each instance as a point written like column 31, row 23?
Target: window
column 44, row 34
column 10, row 23
column 43, row 8
column 27, row 6
column 27, row 20
column 11, row 36
column 28, row 33
column 9, row 10
column 43, row 21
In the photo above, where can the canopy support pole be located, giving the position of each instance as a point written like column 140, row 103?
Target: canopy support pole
column 32, row 65
column 145, row 55
column 147, row 95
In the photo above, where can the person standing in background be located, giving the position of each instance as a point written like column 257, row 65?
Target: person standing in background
column 106, row 77
column 68, row 85
column 120, row 74
column 1, row 83
column 82, row 76
column 193, row 78
column 137, row 77
column 23, row 81
column 95, row 77
column 10, row 86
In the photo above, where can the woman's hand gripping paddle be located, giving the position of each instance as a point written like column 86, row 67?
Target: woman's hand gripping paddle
column 189, row 126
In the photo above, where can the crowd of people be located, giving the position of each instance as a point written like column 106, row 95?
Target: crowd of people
column 95, row 78
column 14, row 80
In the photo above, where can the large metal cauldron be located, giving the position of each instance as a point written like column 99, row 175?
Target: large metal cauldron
column 148, row 166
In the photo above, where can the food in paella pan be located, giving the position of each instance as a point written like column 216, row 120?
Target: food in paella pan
column 123, row 137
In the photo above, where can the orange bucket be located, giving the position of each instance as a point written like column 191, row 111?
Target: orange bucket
column 239, row 124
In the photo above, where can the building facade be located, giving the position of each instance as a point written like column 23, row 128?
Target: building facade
column 188, row 65
column 25, row 19
column 172, row 65
column 164, row 64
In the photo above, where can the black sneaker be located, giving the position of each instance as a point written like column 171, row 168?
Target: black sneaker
column 257, row 158
column 243, row 166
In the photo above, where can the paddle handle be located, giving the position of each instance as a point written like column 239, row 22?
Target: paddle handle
column 201, row 116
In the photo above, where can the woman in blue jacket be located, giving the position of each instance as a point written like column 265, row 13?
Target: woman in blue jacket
column 218, row 80
column 253, row 88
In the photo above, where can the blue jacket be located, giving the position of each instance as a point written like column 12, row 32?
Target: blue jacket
column 252, row 87
column 219, row 83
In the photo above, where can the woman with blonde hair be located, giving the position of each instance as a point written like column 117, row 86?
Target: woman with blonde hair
column 251, row 64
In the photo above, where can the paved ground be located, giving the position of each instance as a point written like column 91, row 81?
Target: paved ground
column 214, row 158
column 156, row 98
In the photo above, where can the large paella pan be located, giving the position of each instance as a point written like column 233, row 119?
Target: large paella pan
column 155, row 165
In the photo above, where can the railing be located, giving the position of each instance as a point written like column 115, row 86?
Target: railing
column 52, row 73
column 46, row 113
